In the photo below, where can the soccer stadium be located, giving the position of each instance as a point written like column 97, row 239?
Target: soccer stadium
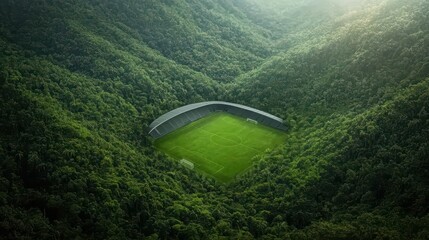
column 218, row 139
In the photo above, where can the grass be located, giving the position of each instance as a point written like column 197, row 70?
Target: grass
column 220, row 145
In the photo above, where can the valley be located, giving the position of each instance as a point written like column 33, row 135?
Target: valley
column 81, row 81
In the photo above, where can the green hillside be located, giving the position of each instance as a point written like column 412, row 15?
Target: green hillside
column 362, row 61
column 81, row 81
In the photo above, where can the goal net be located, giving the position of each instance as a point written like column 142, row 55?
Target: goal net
column 187, row 163
column 252, row 120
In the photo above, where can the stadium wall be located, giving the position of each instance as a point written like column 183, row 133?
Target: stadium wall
column 182, row 116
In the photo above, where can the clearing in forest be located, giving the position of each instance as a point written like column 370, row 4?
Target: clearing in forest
column 220, row 145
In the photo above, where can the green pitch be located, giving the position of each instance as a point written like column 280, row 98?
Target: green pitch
column 220, row 145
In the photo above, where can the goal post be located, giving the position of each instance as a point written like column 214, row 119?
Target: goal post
column 187, row 163
column 252, row 120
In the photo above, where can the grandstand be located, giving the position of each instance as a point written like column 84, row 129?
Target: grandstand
column 182, row 116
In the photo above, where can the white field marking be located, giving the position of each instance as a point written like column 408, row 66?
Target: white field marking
column 252, row 130
column 252, row 148
column 241, row 138
column 175, row 146
column 193, row 152
column 222, row 167
column 171, row 149
column 199, row 165
column 234, row 144
column 219, row 170
column 243, row 127
column 196, row 164
column 210, row 175
column 237, row 143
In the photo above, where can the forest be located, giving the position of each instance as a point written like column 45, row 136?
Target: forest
column 80, row 81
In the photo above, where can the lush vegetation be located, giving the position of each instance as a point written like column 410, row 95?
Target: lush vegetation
column 220, row 145
column 80, row 82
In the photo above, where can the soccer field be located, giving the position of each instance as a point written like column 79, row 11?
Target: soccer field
column 220, row 145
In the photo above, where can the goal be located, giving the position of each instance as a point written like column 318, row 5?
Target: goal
column 252, row 120
column 187, row 163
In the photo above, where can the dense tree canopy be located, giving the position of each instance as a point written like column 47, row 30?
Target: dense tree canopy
column 80, row 82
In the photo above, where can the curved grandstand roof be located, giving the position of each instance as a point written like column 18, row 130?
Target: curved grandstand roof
column 178, row 111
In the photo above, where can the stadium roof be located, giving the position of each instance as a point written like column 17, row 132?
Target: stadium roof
column 169, row 115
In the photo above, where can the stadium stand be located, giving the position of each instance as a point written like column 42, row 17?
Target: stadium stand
column 182, row 116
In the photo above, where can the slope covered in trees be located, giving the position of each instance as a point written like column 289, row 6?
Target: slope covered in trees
column 81, row 81
column 366, row 57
